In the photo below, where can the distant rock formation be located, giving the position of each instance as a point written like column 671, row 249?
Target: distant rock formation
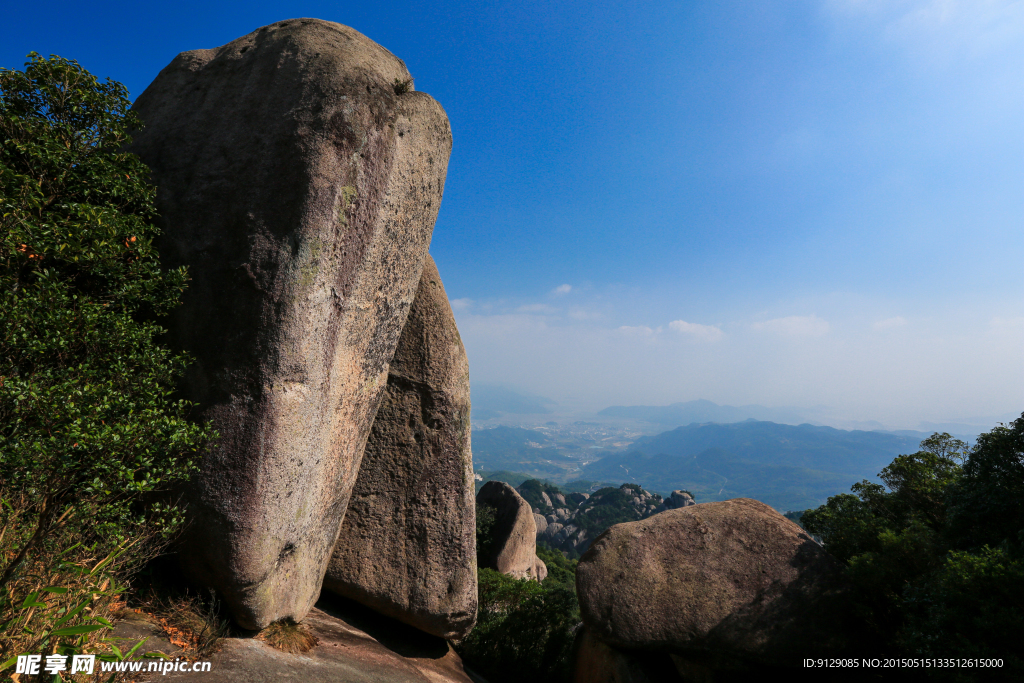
column 679, row 499
column 407, row 547
column 300, row 189
column 722, row 585
column 514, row 537
column 540, row 570
column 569, row 523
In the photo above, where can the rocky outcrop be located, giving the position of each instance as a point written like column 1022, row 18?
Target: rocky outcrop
column 513, row 546
column 407, row 547
column 723, row 584
column 300, row 189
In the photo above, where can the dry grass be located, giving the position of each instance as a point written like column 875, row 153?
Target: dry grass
column 288, row 636
column 192, row 623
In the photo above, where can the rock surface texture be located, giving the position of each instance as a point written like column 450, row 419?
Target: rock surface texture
column 301, row 192
column 407, row 547
column 727, row 585
column 514, row 545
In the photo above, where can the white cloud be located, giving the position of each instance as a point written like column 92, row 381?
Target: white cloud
column 461, row 304
column 703, row 332
column 794, row 326
column 890, row 323
column 639, row 330
column 964, row 27
column 562, row 289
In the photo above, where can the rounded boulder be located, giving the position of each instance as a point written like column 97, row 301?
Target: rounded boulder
column 725, row 583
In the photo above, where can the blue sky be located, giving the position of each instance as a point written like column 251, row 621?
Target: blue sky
column 785, row 202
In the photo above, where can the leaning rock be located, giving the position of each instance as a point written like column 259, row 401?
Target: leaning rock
column 301, row 192
column 514, row 545
column 407, row 547
column 541, row 523
column 727, row 582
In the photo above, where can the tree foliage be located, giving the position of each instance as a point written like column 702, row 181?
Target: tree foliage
column 88, row 425
column 937, row 554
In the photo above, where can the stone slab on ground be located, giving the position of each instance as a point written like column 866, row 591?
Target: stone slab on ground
column 356, row 646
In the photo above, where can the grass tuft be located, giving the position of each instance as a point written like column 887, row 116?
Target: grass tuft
column 401, row 87
column 288, row 636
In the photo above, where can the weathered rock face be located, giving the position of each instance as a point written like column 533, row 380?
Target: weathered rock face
column 719, row 583
column 301, row 192
column 515, row 533
column 407, row 547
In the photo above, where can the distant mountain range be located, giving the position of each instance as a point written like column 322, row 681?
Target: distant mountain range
column 689, row 412
column 693, row 412
column 788, row 467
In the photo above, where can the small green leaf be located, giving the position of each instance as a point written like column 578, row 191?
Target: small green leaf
column 77, row 630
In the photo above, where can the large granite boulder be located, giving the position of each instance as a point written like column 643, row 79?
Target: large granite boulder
column 513, row 547
column 300, row 189
column 726, row 584
column 407, row 547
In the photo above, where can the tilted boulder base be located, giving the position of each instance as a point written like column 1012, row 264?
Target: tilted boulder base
column 301, row 191
column 725, row 585
column 407, row 547
column 513, row 549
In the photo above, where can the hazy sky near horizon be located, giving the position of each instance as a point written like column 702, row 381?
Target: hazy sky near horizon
column 784, row 202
